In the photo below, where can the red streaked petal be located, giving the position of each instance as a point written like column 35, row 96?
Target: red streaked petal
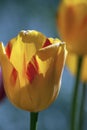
column 47, row 43
column 32, row 69
column 14, row 76
column 84, row 22
column 35, row 63
column 31, row 72
column 8, row 50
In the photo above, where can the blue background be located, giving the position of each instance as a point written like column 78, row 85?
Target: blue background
column 16, row 15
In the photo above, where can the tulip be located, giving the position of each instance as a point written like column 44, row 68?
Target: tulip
column 32, row 67
column 72, row 25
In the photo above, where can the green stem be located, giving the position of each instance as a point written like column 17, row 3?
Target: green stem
column 33, row 120
column 74, row 103
column 82, row 107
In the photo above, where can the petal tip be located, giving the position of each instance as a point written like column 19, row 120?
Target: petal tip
column 2, row 49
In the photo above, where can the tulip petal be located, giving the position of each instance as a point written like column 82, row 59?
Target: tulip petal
column 7, row 70
column 71, row 63
column 51, row 62
column 74, row 1
column 47, row 43
column 13, row 76
column 8, row 48
column 32, row 69
column 59, row 66
column 25, row 46
column 13, row 89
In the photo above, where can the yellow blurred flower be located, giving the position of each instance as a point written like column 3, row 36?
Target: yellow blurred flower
column 32, row 66
column 71, row 62
column 72, row 25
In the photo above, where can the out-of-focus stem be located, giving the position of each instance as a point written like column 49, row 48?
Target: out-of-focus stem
column 75, row 96
column 81, row 117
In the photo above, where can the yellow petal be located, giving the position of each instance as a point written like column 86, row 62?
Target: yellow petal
column 54, row 40
column 71, row 63
column 2, row 51
column 72, row 25
column 74, row 1
column 25, row 46
column 51, row 62
column 11, row 84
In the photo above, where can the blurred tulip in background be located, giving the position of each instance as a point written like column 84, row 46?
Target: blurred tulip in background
column 72, row 25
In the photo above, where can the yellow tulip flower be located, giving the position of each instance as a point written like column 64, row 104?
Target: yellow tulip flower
column 32, row 66
column 71, row 62
column 72, row 25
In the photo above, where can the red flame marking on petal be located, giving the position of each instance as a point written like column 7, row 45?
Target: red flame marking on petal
column 47, row 43
column 8, row 50
column 84, row 23
column 32, row 69
column 31, row 72
column 14, row 76
column 24, row 65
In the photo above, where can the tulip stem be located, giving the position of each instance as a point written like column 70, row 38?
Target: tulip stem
column 82, row 107
column 74, row 102
column 33, row 120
